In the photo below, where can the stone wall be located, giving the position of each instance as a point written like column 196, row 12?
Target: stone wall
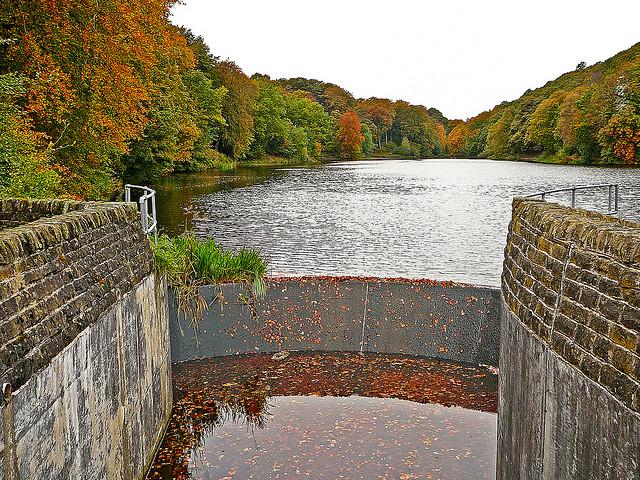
column 570, row 347
column 416, row 317
column 14, row 212
column 84, row 357
column 58, row 274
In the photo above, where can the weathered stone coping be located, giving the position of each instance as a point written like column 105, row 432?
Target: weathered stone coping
column 419, row 317
column 14, row 212
column 61, row 266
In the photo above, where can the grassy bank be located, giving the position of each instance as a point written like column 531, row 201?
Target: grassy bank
column 274, row 160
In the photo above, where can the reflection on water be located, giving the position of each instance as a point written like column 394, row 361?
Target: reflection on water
column 330, row 415
column 442, row 219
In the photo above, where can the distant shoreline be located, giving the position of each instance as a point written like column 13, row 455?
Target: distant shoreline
column 281, row 161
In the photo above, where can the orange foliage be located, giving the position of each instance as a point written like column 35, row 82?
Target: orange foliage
column 456, row 139
column 337, row 99
column 626, row 137
column 90, row 67
column 380, row 110
column 350, row 136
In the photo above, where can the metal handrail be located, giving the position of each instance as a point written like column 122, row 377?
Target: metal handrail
column 613, row 194
column 146, row 200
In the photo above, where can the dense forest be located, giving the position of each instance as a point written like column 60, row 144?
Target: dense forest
column 92, row 93
column 590, row 116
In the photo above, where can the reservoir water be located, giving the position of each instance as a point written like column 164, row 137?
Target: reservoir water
column 440, row 219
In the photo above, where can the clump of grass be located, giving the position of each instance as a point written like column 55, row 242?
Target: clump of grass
column 186, row 258
column 190, row 263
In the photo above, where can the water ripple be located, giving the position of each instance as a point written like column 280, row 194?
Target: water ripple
column 442, row 219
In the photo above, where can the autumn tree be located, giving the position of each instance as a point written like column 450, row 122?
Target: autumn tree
column 26, row 168
column 237, row 108
column 442, row 140
column 456, row 139
column 89, row 69
column 519, row 144
column 439, row 118
column 349, row 136
column 337, row 100
column 621, row 135
column 542, row 126
column 381, row 112
column 185, row 121
column 569, row 120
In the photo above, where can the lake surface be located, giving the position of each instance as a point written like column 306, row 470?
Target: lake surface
column 440, row 219
column 330, row 416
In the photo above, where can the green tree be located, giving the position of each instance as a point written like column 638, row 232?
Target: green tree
column 185, row 122
column 414, row 123
column 367, row 144
column 498, row 135
column 297, row 144
column 237, row 108
column 314, row 121
column 26, row 168
column 207, row 113
column 542, row 126
column 271, row 125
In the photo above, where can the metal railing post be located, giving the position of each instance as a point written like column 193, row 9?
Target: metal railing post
column 616, row 198
column 610, row 197
column 153, row 215
column 573, row 198
column 143, row 213
column 148, row 219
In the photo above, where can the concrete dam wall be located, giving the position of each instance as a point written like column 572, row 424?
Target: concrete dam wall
column 569, row 382
column 420, row 317
column 84, row 357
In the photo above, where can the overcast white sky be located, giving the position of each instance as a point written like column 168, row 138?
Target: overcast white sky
column 461, row 56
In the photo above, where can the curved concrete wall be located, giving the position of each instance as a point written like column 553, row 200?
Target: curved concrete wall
column 569, row 385
column 435, row 319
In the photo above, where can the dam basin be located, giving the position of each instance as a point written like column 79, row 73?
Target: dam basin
column 330, row 415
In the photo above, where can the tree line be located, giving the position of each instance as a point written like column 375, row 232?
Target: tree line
column 93, row 93
column 588, row 116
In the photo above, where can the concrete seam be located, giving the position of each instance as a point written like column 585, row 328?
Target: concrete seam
column 546, row 355
column 364, row 317
column 10, row 459
column 126, row 449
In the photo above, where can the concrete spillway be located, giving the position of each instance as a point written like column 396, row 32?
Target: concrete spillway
column 417, row 317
